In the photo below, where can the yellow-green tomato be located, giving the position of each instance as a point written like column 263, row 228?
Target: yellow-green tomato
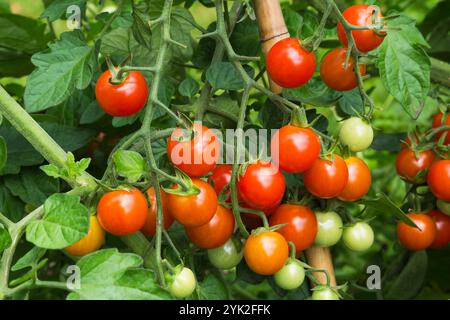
column 358, row 237
column 226, row 256
column 324, row 294
column 329, row 229
column 443, row 206
column 356, row 134
column 291, row 276
column 183, row 284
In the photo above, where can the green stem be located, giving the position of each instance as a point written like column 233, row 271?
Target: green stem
column 440, row 72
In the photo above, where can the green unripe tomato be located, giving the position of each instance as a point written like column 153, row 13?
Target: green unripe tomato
column 324, row 294
column 227, row 256
column 183, row 283
column 329, row 229
column 291, row 276
column 358, row 237
column 356, row 134
column 443, row 206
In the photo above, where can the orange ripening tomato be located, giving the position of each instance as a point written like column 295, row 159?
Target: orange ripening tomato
column 266, row 252
column 408, row 165
column 360, row 15
column 215, row 232
column 334, row 73
column 90, row 242
column 123, row 99
column 149, row 228
column 437, row 122
column 417, row 239
column 122, row 212
column 195, row 153
column 301, row 225
column 438, row 179
column 359, row 180
column 442, row 228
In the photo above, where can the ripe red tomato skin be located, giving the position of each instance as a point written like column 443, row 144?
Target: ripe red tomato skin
column 413, row 238
column 334, row 74
column 359, row 180
column 124, row 99
column 289, row 65
column 149, row 228
column 301, row 225
column 442, row 222
column 122, row 212
column 193, row 210
column 360, row 15
column 262, row 185
column 438, row 179
column 290, row 144
column 408, row 166
column 326, row 179
column 215, row 232
column 221, row 177
column 203, row 149
column 437, row 122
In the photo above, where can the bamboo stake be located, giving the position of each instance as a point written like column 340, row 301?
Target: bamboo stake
column 272, row 28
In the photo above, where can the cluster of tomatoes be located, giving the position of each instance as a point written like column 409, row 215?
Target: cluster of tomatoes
column 418, row 163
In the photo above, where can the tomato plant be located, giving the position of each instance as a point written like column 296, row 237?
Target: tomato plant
column 438, row 121
column 359, row 180
column 410, row 163
column 324, row 294
column 149, row 228
column 329, row 229
column 417, row 238
column 358, row 237
column 183, row 283
column 356, row 134
column 226, row 256
column 442, row 222
column 90, row 242
column 291, row 276
column 438, row 179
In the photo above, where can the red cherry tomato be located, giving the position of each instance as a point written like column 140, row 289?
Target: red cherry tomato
column 360, row 15
column 417, row 239
column 124, row 99
column 442, row 228
column 359, row 180
column 262, row 185
column 215, row 232
column 327, row 178
column 149, row 228
column 289, row 65
column 437, row 122
column 334, row 73
column 122, row 212
column 301, row 225
column 221, row 177
column 295, row 149
column 408, row 165
column 438, row 179
column 90, row 242
column 195, row 156
column 193, row 210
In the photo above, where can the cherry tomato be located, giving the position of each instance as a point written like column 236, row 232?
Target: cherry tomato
column 359, row 180
column 443, row 206
column 417, row 239
column 124, row 99
column 182, row 283
column 442, row 222
column 266, row 252
column 334, row 73
column 122, row 212
column 356, row 134
column 220, row 178
column 291, row 276
column 437, row 122
column 438, row 179
column 324, row 294
column 358, row 237
column 329, row 229
column 327, row 178
column 195, row 156
column 295, row 149
column 193, row 210
column 409, row 165
column 301, row 225
column 289, row 65
column 226, row 256
column 90, row 242
column 360, row 15
column 215, row 232
column 262, row 185
column 149, row 228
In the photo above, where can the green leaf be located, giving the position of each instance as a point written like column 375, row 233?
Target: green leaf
column 29, row 259
column 21, row 34
column 58, row 8
column 294, row 21
column 124, row 121
column 111, row 275
column 188, row 87
column 314, row 92
column 51, row 170
column 223, row 75
column 5, row 238
column 3, row 153
column 129, row 164
column 65, row 221
column 350, row 103
column 67, row 66
column 10, row 206
column 92, row 113
column 245, row 38
column 141, row 27
column 388, row 141
column 211, row 288
column 384, row 205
